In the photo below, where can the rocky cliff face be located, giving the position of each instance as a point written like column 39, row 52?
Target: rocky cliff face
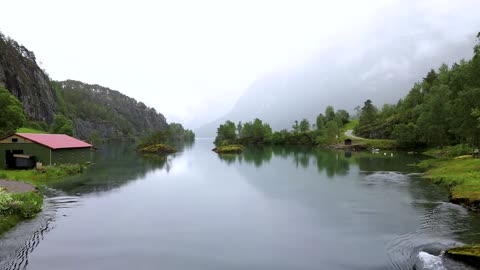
column 20, row 74
column 93, row 108
column 106, row 111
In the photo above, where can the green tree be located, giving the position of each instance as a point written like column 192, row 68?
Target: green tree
column 321, row 121
column 476, row 114
column 343, row 115
column 332, row 131
column 406, row 135
column 296, row 127
column 61, row 125
column 368, row 114
column 239, row 128
column 12, row 115
column 304, row 125
column 226, row 131
column 329, row 113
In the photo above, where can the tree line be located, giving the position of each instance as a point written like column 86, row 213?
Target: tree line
column 325, row 131
column 442, row 109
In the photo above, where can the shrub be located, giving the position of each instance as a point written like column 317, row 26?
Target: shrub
column 25, row 205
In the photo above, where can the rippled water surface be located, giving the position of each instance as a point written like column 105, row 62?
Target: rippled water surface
column 268, row 208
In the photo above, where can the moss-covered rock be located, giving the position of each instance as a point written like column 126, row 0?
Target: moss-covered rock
column 158, row 149
column 228, row 149
column 467, row 254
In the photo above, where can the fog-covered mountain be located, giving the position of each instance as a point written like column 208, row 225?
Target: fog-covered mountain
column 381, row 64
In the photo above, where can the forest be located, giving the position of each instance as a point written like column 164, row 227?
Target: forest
column 325, row 131
column 440, row 110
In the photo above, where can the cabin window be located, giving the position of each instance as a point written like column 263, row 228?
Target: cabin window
column 14, row 139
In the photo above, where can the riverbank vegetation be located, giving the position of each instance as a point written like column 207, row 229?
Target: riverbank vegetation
column 161, row 141
column 441, row 110
column 460, row 175
column 325, row 131
column 46, row 172
column 12, row 115
column 15, row 207
column 229, row 149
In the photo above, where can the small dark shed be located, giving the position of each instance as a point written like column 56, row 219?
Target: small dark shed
column 348, row 142
column 23, row 150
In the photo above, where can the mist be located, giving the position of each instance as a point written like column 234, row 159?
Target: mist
column 199, row 63
column 381, row 62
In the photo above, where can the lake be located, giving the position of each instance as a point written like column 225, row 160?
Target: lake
column 267, row 208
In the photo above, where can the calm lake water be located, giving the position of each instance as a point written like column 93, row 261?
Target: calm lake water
column 268, row 208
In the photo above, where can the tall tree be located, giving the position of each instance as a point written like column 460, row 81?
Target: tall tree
column 368, row 114
column 329, row 113
column 12, row 115
column 62, row 125
column 321, row 121
column 304, row 125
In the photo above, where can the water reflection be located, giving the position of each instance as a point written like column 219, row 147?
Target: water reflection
column 332, row 162
column 113, row 167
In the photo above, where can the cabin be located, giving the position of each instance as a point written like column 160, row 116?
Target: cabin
column 348, row 142
column 24, row 150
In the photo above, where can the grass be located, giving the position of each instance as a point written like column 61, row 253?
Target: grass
column 449, row 151
column 47, row 172
column 377, row 143
column 461, row 176
column 366, row 143
column 7, row 222
column 350, row 125
column 229, row 149
column 468, row 254
column 15, row 207
column 29, row 130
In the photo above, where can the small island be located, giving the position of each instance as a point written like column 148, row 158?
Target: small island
column 158, row 149
column 228, row 149
column 160, row 141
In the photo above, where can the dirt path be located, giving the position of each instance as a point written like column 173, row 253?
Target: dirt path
column 349, row 133
column 16, row 186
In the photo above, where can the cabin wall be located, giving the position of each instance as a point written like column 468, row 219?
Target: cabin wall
column 8, row 140
column 41, row 153
column 71, row 155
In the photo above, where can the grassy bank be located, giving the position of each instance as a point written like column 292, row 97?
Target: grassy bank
column 29, row 130
column 460, row 175
column 16, row 207
column 47, row 172
column 366, row 143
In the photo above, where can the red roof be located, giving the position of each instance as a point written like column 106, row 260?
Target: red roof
column 54, row 141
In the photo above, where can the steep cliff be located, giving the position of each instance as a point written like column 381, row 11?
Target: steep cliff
column 110, row 113
column 94, row 109
column 20, row 74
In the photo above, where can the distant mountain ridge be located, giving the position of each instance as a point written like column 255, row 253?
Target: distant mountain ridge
column 92, row 108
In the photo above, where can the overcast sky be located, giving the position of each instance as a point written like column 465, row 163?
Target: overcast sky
column 191, row 60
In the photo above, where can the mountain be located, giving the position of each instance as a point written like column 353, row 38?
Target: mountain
column 20, row 74
column 110, row 113
column 382, row 68
column 92, row 108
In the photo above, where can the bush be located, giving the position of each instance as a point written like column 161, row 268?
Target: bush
column 25, row 205
column 158, row 149
column 228, row 149
column 61, row 170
